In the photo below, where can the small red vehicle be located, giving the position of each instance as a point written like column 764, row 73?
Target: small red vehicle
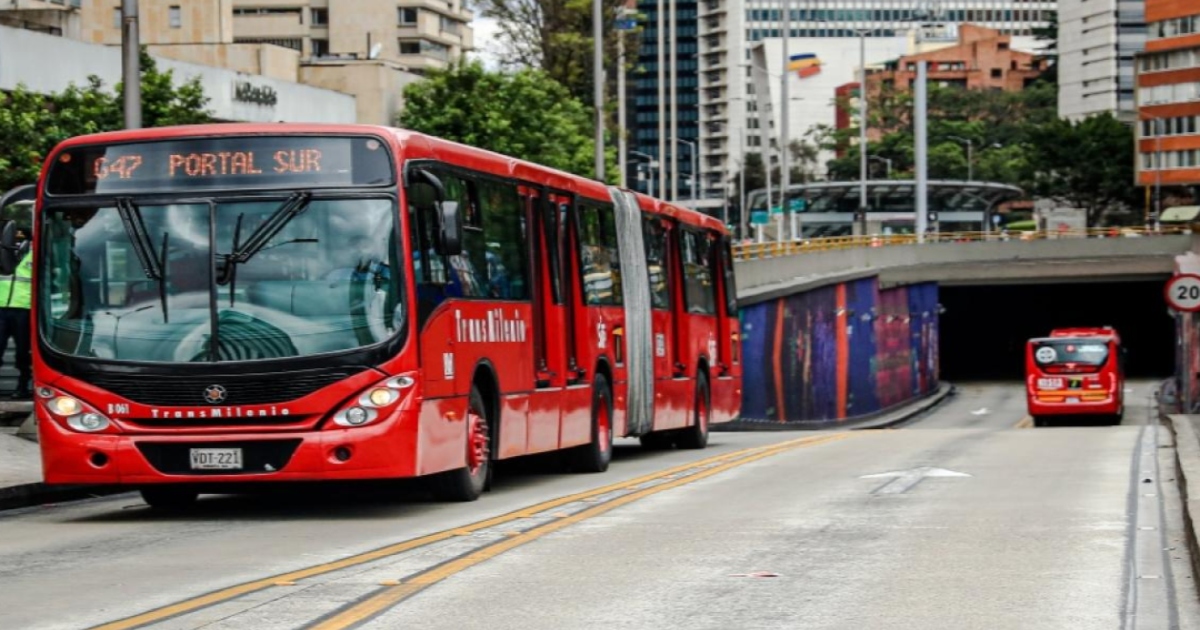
column 1075, row 372
column 233, row 304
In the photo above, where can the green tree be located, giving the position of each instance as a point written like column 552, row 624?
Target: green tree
column 525, row 114
column 32, row 124
column 1088, row 163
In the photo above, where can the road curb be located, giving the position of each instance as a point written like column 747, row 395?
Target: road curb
column 1187, row 472
column 879, row 420
column 31, row 494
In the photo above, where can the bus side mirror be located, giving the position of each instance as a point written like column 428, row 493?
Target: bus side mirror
column 450, row 228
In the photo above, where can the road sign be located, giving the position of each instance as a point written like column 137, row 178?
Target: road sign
column 759, row 217
column 1183, row 292
column 796, row 204
column 776, row 209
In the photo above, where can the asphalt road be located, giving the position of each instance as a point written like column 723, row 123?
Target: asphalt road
column 963, row 518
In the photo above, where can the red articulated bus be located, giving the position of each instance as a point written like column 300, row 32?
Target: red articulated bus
column 226, row 304
column 1075, row 372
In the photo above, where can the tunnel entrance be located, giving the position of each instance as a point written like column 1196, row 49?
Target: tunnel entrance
column 984, row 328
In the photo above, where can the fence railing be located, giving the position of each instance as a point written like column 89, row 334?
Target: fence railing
column 752, row 251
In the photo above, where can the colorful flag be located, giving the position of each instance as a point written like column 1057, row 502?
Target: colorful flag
column 804, row 65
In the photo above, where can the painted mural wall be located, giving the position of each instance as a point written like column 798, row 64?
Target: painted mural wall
column 839, row 352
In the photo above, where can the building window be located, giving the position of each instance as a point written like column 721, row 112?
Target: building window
column 408, row 17
column 320, row 47
column 320, row 17
column 997, row 73
column 449, row 26
column 410, row 47
column 175, row 16
column 117, row 17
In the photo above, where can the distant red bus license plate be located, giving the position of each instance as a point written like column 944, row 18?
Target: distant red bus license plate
column 216, row 459
column 1050, row 383
column 1072, row 400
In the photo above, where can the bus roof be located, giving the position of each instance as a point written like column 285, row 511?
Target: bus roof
column 1059, row 334
column 415, row 145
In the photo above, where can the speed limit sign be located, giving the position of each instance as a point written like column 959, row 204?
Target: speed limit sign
column 1183, row 292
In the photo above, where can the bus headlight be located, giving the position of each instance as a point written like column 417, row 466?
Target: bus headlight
column 377, row 401
column 78, row 415
column 382, row 397
column 354, row 417
column 88, row 422
column 65, row 406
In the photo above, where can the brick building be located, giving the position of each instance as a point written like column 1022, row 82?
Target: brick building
column 1168, row 93
column 983, row 59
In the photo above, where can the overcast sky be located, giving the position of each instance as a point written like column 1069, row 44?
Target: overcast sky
column 487, row 50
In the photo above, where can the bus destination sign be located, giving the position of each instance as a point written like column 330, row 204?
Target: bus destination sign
column 230, row 162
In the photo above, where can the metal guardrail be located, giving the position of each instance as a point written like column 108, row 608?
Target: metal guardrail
column 754, row 251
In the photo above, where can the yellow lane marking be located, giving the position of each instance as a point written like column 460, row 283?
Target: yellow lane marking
column 1025, row 423
column 233, row 592
column 377, row 604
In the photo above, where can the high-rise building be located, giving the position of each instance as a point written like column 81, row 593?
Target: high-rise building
column 1097, row 41
column 657, row 96
column 727, row 31
column 1168, row 96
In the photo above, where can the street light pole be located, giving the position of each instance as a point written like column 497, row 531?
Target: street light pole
column 970, row 155
column 1158, row 166
column 862, row 131
column 598, row 79
column 622, row 163
column 785, row 175
column 131, row 67
column 650, row 164
column 673, row 194
column 744, row 216
column 887, row 164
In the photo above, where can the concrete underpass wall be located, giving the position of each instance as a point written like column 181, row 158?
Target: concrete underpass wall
column 838, row 352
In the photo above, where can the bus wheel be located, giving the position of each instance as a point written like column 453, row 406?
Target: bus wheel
column 696, row 436
column 594, row 456
column 468, row 482
column 168, row 497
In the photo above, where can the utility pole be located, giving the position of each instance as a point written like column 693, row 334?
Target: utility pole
column 662, row 96
column 131, row 67
column 623, row 24
column 862, row 132
column 922, row 142
column 598, row 79
column 785, row 175
column 745, row 215
column 674, row 107
column 1158, row 167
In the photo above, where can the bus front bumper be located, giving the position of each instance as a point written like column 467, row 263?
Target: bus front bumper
column 368, row 452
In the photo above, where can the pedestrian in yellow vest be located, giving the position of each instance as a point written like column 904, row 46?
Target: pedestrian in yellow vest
column 15, row 301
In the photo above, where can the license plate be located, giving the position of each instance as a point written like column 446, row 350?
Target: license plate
column 1072, row 400
column 1050, row 383
column 216, row 459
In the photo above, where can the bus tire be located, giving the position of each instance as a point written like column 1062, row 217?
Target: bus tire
column 169, row 498
column 595, row 456
column 696, row 435
column 468, row 482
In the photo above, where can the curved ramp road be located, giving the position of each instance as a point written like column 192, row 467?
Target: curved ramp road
column 963, row 518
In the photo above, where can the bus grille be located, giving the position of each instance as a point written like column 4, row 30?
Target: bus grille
column 240, row 389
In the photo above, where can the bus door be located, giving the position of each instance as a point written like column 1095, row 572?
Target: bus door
column 675, row 389
column 659, row 268
column 553, row 355
column 727, row 373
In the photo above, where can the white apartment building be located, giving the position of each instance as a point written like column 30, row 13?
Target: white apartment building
column 1097, row 41
column 728, row 30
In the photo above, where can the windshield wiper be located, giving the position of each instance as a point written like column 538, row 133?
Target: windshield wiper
column 243, row 252
column 257, row 242
column 154, row 265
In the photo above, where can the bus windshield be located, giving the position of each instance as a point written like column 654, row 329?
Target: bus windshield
column 1087, row 352
column 213, row 280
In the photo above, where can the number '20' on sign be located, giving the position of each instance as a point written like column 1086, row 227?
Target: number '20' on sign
column 1183, row 292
